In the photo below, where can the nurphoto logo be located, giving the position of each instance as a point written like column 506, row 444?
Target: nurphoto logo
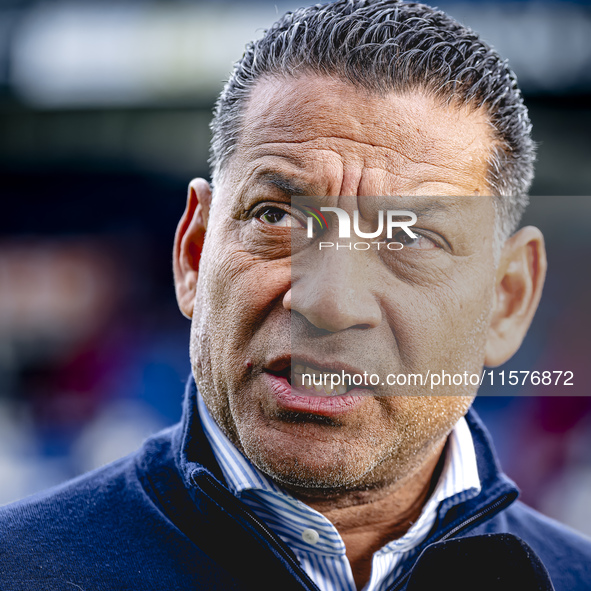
column 391, row 220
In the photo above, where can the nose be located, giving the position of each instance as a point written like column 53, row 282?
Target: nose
column 334, row 295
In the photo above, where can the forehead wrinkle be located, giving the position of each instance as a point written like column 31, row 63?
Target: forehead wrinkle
column 291, row 182
column 324, row 145
column 399, row 118
column 426, row 143
column 389, row 156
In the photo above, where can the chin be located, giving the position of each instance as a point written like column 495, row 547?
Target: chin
column 309, row 466
column 312, row 477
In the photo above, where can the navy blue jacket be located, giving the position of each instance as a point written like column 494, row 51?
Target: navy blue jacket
column 162, row 519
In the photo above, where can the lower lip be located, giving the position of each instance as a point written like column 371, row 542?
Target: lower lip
column 297, row 399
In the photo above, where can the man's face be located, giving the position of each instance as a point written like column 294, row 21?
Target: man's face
column 424, row 308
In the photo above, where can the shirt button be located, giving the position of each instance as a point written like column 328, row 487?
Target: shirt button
column 310, row 536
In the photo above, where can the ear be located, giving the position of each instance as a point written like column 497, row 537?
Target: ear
column 519, row 282
column 188, row 244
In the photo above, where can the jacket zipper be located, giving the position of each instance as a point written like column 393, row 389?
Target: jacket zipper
column 270, row 536
column 451, row 533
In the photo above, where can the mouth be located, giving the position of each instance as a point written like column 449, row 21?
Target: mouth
column 301, row 386
column 307, row 380
column 307, row 390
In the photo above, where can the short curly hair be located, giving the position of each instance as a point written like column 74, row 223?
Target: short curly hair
column 384, row 46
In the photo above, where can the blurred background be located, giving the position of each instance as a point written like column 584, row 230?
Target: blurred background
column 104, row 112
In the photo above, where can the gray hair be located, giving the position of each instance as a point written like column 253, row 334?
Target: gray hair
column 384, row 46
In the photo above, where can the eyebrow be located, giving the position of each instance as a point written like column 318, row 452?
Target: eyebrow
column 285, row 184
column 432, row 207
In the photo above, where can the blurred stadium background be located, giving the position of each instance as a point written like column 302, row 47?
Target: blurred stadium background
column 104, row 111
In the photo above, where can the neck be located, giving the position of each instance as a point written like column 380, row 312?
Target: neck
column 369, row 519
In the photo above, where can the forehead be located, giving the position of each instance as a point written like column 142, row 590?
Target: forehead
column 338, row 138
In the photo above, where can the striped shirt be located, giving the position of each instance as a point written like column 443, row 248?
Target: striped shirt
column 313, row 538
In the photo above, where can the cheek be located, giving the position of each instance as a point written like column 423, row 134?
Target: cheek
column 444, row 326
column 236, row 294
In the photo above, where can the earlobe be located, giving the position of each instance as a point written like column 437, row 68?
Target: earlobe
column 518, row 289
column 188, row 244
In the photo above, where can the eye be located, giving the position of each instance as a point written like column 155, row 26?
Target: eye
column 421, row 242
column 275, row 216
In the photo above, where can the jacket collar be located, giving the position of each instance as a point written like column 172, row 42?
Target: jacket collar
column 191, row 447
column 498, row 491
